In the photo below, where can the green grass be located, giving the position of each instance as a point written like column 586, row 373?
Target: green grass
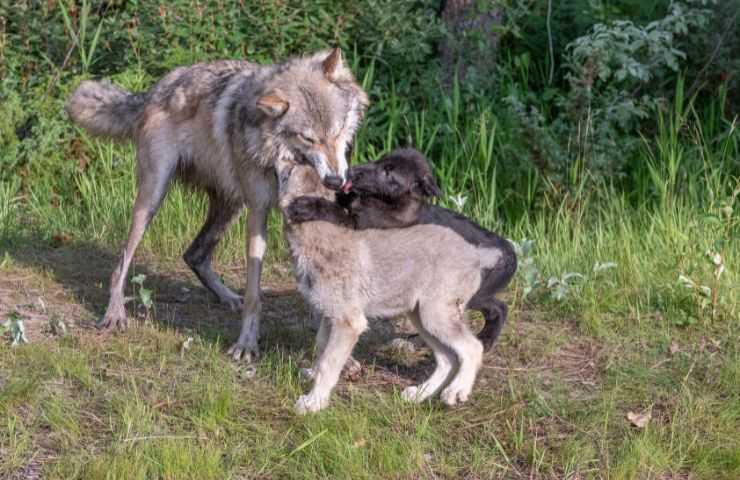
column 131, row 407
column 552, row 399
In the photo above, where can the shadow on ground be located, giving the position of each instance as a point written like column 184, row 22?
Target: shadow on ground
column 42, row 281
column 71, row 281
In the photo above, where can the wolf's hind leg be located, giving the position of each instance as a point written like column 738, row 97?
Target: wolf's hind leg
column 154, row 177
column 199, row 254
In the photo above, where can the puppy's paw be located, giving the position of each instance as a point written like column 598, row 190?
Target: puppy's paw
column 411, row 394
column 303, row 209
column 454, row 394
column 310, row 403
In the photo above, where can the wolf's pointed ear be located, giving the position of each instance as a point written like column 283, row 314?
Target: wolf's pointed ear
column 273, row 104
column 428, row 187
column 334, row 68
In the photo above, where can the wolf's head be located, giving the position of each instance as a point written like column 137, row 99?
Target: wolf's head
column 313, row 107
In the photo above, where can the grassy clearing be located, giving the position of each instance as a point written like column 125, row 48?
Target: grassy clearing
column 618, row 307
column 552, row 400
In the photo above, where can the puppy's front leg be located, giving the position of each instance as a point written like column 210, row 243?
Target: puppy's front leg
column 312, row 209
column 343, row 335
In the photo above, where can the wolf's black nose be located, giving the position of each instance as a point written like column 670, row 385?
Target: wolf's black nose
column 334, row 182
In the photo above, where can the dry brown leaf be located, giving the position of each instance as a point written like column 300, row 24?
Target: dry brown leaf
column 639, row 420
column 674, row 348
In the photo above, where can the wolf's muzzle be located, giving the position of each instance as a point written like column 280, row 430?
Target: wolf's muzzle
column 334, row 182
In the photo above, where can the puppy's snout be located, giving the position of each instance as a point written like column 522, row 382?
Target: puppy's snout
column 334, row 182
column 355, row 174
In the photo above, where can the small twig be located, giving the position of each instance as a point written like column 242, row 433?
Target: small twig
column 661, row 362
column 514, row 369
column 549, row 41
column 59, row 71
column 691, row 369
column 161, row 437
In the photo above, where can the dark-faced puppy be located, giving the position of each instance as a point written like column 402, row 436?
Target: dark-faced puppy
column 387, row 193
column 392, row 193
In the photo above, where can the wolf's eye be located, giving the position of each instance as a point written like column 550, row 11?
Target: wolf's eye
column 307, row 139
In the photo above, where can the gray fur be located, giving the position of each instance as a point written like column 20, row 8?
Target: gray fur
column 428, row 271
column 221, row 127
column 105, row 109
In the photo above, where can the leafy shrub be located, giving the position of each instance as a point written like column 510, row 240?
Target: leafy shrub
column 615, row 75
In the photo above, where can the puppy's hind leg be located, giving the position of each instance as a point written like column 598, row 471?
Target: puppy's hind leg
column 495, row 314
column 446, row 324
column 446, row 364
column 343, row 336
column 198, row 256
column 156, row 163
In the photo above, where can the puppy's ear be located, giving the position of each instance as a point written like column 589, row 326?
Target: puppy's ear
column 428, row 187
column 273, row 104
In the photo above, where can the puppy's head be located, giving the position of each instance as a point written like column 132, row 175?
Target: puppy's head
column 401, row 174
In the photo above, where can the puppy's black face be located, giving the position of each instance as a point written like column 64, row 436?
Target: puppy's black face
column 403, row 173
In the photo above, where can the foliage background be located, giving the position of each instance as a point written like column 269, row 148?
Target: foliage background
column 604, row 143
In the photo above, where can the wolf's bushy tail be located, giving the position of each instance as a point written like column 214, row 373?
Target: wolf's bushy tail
column 105, row 110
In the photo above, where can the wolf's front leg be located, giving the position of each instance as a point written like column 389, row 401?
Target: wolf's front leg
column 246, row 347
column 343, row 336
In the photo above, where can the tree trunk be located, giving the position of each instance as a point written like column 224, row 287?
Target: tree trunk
column 469, row 47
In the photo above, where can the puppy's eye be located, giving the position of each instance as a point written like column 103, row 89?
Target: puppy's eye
column 306, row 138
column 388, row 168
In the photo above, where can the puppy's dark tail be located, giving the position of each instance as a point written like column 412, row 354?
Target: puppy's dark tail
column 106, row 110
column 494, row 280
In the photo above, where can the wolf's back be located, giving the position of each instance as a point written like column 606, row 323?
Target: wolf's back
column 105, row 110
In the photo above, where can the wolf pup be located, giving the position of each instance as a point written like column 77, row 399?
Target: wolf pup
column 392, row 193
column 428, row 271
column 221, row 127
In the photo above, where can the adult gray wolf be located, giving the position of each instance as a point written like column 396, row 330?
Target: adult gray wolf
column 393, row 192
column 428, row 271
column 221, row 127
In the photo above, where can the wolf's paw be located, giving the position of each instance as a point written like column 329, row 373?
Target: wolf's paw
column 245, row 352
column 411, row 394
column 310, row 403
column 115, row 317
column 454, row 394
column 233, row 301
